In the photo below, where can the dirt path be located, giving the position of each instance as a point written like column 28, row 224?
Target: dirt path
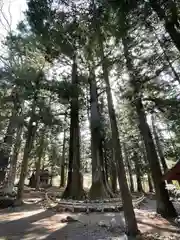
column 32, row 222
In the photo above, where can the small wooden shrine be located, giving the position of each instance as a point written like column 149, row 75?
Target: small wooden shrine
column 44, row 178
column 173, row 173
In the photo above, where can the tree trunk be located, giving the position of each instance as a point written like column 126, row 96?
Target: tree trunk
column 138, row 176
column 137, row 171
column 173, row 144
column 31, row 131
column 158, row 145
column 171, row 24
column 8, row 189
column 113, row 176
column 104, row 148
column 150, row 183
column 74, row 187
column 7, row 145
column 27, row 149
column 62, row 182
column 127, row 161
column 40, row 154
column 129, row 214
column 113, row 172
column 164, row 205
column 98, row 189
column 130, row 177
column 106, row 167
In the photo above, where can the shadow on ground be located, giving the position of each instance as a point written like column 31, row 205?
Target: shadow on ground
column 46, row 225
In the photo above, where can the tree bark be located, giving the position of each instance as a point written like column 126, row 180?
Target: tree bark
column 8, row 188
column 171, row 24
column 74, row 187
column 113, row 172
column 27, row 149
column 113, row 176
column 106, row 167
column 164, row 205
column 98, row 189
column 62, row 182
column 127, row 161
column 31, row 131
column 132, row 228
column 164, row 49
column 150, row 183
column 138, row 174
column 40, row 154
column 158, row 145
column 104, row 147
column 7, row 145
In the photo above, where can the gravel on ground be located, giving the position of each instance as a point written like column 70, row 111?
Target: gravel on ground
column 32, row 222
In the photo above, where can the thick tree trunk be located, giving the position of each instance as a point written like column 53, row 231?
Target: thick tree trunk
column 129, row 214
column 130, row 176
column 104, row 159
column 9, row 186
column 62, row 182
column 114, row 178
column 27, row 149
column 138, row 173
column 150, row 183
column 158, row 145
column 173, row 144
column 37, row 173
column 98, row 189
column 106, row 167
column 127, row 161
column 7, row 145
column 113, row 175
column 132, row 228
column 31, row 131
column 40, row 153
column 164, row 205
column 74, row 187
column 170, row 23
column 138, row 178
column 164, row 49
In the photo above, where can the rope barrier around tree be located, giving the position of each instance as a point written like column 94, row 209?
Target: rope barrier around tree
column 104, row 205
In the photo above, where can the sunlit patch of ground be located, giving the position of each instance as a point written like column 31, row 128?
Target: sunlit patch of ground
column 30, row 223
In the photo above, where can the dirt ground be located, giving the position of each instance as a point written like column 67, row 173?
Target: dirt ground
column 32, row 222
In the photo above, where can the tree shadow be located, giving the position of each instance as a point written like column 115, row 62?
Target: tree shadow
column 31, row 227
column 80, row 231
column 32, row 218
column 33, row 232
column 87, row 227
column 25, row 207
column 24, row 226
column 160, row 229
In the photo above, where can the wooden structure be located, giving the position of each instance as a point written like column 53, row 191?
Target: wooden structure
column 173, row 173
column 44, row 178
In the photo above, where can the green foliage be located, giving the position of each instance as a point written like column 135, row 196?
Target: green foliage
column 39, row 61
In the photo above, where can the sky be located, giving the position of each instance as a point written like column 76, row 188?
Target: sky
column 11, row 13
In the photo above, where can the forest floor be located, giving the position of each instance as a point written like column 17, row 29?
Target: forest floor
column 32, row 221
